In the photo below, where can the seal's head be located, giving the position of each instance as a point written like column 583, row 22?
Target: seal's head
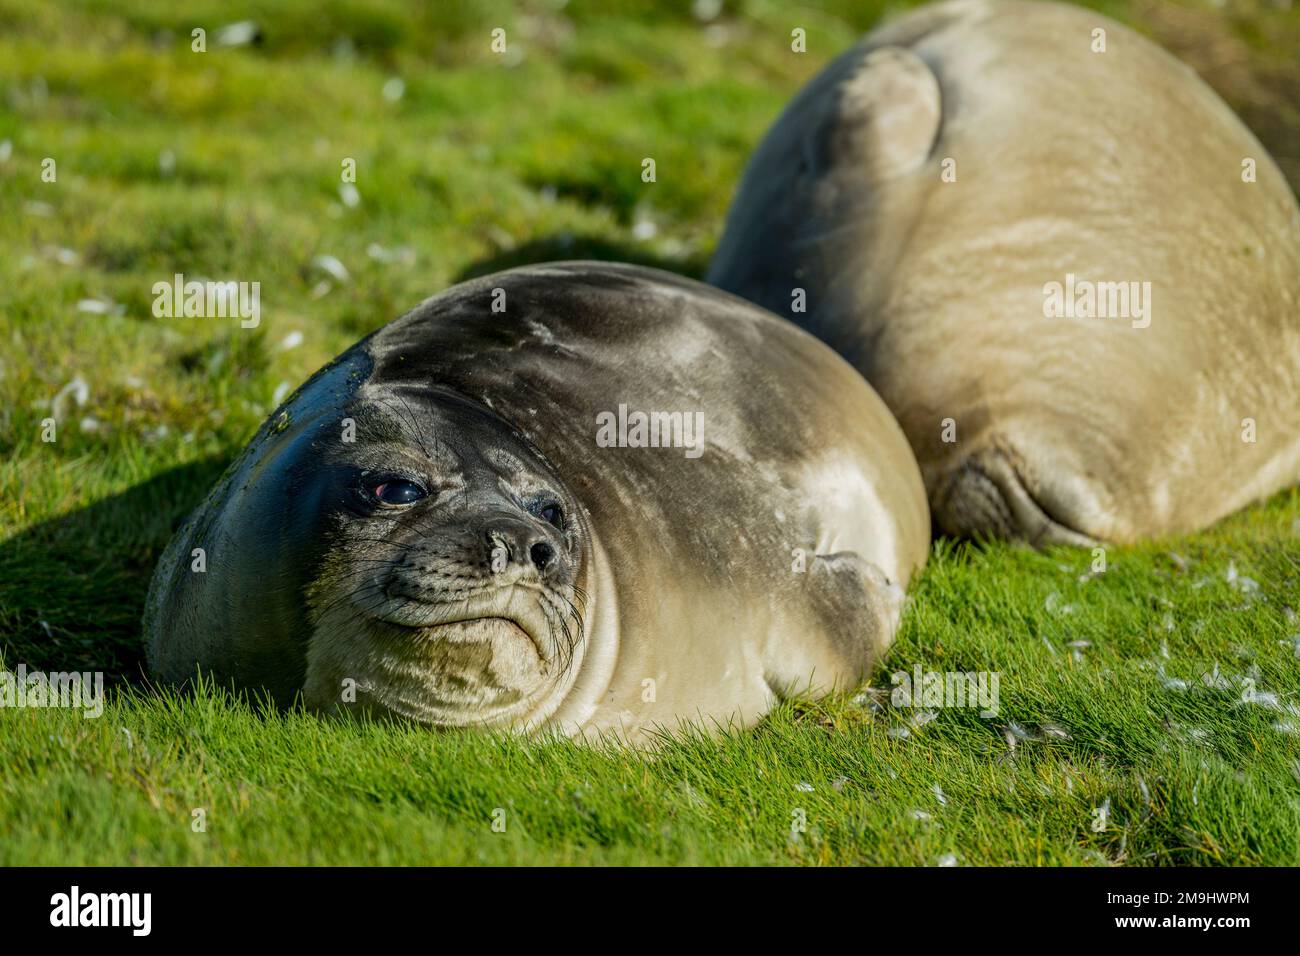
column 449, row 588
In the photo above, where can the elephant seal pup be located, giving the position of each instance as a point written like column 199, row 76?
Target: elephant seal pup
column 465, row 519
column 1042, row 245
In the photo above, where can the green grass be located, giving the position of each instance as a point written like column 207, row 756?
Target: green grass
column 480, row 165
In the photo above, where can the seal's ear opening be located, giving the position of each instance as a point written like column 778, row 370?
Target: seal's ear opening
column 885, row 116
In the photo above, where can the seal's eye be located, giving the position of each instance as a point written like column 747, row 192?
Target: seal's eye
column 399, row 491
column 552, row 514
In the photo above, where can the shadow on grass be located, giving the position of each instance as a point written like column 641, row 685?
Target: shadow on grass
column 72, row 589
column 562, row 246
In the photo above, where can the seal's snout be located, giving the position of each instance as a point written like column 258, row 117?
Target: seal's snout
column 458, row 602
column 511, row 542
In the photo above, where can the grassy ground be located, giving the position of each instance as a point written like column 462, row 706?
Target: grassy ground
column 1179, row 715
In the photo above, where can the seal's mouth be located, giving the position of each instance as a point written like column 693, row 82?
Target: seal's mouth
column 505, row 612
column 470, row 629
column 446, row 653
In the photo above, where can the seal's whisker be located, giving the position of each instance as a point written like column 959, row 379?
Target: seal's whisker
column 550, row 602
column 354, row 597
column 420, row 437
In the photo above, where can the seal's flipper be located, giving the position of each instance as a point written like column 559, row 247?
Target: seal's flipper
column 997, row 493
column 855, row 610
column 885, row 115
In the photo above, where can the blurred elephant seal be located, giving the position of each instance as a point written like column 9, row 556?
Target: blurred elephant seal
column 1062, row 261
column 589, row 498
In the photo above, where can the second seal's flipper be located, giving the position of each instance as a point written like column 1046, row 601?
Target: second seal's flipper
column 885, row 117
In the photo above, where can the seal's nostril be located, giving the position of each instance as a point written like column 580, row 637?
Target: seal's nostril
column 542, row 555
column 498, row 557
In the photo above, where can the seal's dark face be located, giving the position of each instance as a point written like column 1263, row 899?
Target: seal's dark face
column 449, row 592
